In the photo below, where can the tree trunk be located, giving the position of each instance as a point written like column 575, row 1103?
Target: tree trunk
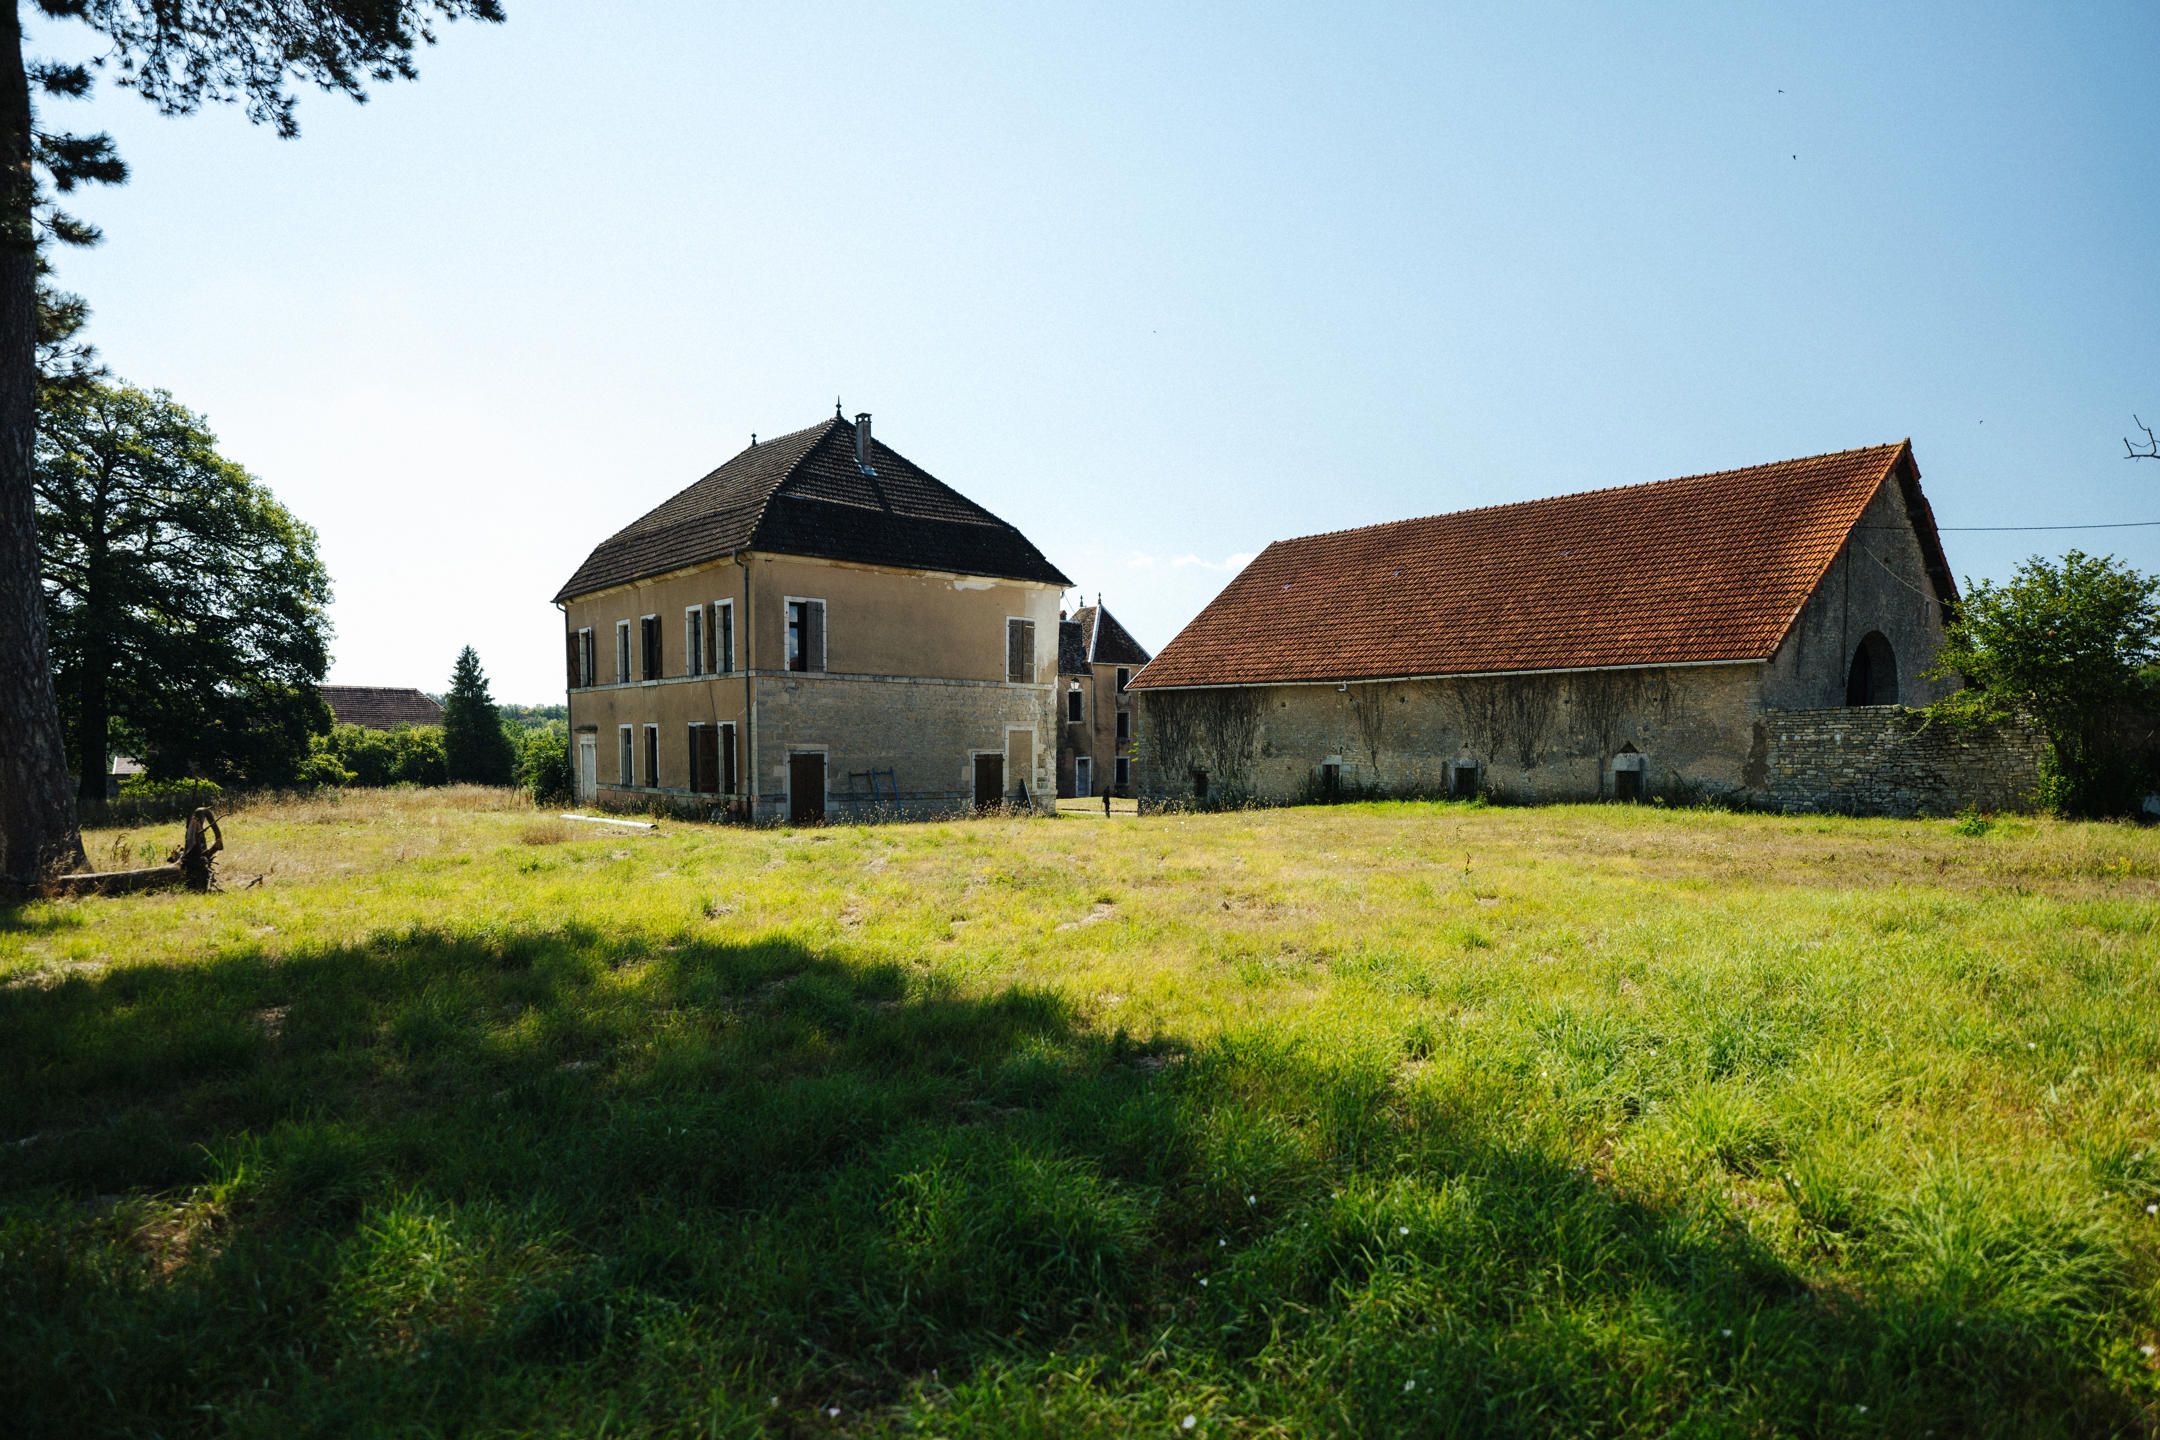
column 37, row 814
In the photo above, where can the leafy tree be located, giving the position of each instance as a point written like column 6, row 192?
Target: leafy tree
column 475, row 749
column 178, row 55
column 188, row 607
column 2077, row 647
column 543, row 766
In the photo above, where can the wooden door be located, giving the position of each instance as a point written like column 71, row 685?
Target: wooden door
column 806, row 789
column 587, row 769
column 989, row 781
column 1083, row 779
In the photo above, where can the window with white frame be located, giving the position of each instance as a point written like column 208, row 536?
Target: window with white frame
column 649, row 647
column 622, row 652
column 693, row 639
column 1019, row 649
column 625, row 750
column 1075, row 706
column 723, row 637
column 581, row 658
column 805, row 634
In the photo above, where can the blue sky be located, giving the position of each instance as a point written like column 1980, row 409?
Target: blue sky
column 1156, row 285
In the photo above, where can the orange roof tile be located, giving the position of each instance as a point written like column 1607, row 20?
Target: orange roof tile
column 1703, row 568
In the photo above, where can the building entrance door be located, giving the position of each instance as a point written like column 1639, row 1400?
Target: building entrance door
column 588, row 769
column 806, row 789
column 989, row 781
column 1083, row 777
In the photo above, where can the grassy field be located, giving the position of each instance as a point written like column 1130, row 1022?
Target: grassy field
column 1382, row 1119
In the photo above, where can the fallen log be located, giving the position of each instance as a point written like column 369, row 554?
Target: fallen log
column 192, row 865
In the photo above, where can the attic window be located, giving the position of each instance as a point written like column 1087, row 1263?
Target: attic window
column 1073, row 704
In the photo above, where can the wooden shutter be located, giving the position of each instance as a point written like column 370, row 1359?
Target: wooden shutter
column 573, row 659
column 814, row 635
column 727, row 759
column 1019, row 650
column 724, row 638
column 706, row 769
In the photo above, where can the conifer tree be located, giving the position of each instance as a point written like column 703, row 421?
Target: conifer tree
column 475, row 749
column 178, row 55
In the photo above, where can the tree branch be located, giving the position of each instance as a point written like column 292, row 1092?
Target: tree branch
column 2150, row 450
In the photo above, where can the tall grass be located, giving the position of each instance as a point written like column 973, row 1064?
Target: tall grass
column 1369, row 1119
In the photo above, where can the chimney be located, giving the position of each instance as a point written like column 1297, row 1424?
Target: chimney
column 862, row 440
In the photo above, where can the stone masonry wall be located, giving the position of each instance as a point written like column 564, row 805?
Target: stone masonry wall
column 926, row 731
column 1888, row 760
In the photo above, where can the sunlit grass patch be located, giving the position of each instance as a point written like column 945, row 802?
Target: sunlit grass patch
column 1381, row 1118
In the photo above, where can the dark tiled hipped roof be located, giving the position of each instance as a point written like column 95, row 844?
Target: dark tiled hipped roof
column 1704, row 568
column 380, row 707
column 1072, row 649
column 1104, row 641
column 803, row 494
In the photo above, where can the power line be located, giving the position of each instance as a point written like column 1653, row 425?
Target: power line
column 2099, row 525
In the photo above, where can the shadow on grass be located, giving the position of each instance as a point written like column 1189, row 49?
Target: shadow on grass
column 559, row 1181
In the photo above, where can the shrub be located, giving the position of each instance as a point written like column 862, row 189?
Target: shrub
column 543, row 763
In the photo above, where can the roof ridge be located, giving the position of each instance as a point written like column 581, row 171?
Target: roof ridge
column 1894, row 446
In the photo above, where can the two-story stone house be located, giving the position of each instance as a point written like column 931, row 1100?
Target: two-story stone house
column 817, row 628
column 1097, row 658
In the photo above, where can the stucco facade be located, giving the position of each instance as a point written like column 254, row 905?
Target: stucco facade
column 909, row 691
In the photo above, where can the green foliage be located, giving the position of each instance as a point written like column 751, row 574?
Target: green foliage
column 188, row 608
column 2074, row 646
column 528, row 717
column 407, row 755
column 476, row 751
column 543, row 764
column 1971, row 823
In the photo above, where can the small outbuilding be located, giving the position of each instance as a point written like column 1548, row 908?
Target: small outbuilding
column 1756, row 635
column 380, row 707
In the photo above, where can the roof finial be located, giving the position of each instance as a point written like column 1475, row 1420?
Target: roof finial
column 836, row 407
column 753, row 439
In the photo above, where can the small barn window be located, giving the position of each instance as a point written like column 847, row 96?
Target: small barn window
column 1873, row 678
column 1630, row 772
column 1331, row 782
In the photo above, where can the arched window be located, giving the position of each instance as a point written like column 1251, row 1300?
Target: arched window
column 1873, row 677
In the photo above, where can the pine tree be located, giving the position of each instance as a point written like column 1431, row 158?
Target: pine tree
column 475, row 749
column 179, row 55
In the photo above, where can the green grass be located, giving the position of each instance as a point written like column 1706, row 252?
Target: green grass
column 1381, row 1119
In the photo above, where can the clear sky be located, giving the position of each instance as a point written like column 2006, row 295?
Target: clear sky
column 1156, row 284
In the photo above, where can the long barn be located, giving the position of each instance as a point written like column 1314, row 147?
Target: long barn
column 1757, row 635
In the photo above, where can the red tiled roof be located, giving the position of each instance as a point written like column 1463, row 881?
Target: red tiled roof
column 380, row 707
column 1703, row 568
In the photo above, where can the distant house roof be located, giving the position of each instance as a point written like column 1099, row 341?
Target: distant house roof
column 1107, row 642
column 1700, row 569
column 1072, row 648
column 380, row 707
column 803, row 494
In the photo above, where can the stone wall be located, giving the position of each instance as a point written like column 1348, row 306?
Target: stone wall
column 1888, row 760
column 926, row 731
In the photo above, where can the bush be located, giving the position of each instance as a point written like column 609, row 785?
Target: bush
column 543, row 763
column 351, row 755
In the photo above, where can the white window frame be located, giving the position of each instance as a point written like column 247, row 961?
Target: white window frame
column 693, row 635
column 729, row 759
column 1069, row 718
column 723, row 637
column 824, row 635
column 645, row 661
column 585, row 657
column 625, row 757
column 1034, row 645
column 1083, row 777
column 624, row 667
column 652, row 755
